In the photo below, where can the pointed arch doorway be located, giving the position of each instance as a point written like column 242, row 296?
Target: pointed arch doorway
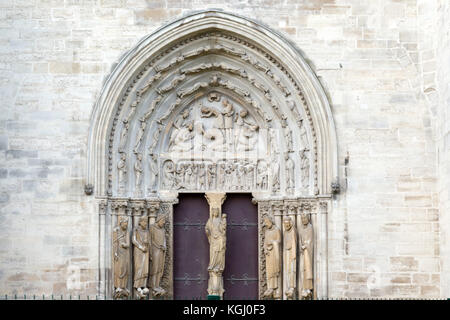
column 212, row 102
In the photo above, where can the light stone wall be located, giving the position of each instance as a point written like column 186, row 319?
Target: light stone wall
column 376, row 61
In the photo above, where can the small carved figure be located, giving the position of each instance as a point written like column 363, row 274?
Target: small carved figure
column 290, row 175
column 246, row 132
column 211, row 176
column 261, row 182
column 141, row 242
column 275, row 173
column 139, row 136
column 272, row 241
column 289, row 140
column 123, row 136
column 306, row 248
column 201, row 176
column 154, row 171
column 157, row 254
column 290, row 257
column 169, row 174
column 138, row 170
column 221, row 176
column 304, row 167
column 121, row 252
column 249, row 175
column 122, row 170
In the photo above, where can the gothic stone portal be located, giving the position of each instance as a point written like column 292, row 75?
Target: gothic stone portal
column 213, row 103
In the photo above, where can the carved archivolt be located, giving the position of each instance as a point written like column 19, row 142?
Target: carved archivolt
column 229, row 107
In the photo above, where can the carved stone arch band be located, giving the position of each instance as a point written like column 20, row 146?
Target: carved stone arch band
column 238, row 87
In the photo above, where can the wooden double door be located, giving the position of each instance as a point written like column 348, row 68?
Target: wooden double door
column 191, row 248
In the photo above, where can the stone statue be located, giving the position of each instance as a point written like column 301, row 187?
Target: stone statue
column 121, row 252
column 261, row 180
column 123, row 137
column 139, row 136
column 290, row 174
column 275, row 173
column 272, row 241
column 181, row 139
column 221, row 175
column 201, row 176
column 141, row 242
column 306, row 248
column 154, row 171
column 227, row 113
column 289, row 257
column 304, row 166
column 216, row 229
column 169, row 174
column 211, row 175
column 122, row 170
column 157, row 254
column 246, row 132
column 138, row 171
column 289, row 143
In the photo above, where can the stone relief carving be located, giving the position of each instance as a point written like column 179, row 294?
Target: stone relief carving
column 272, row 252
column 139, row 136
column 141, row 242
column 157, row 254
column 122, row 172
column 304, row 167
column 290, row 257
column 221, row 176
column 306, row 234
column 290, row 173
column 121, row 254
column 138, row 171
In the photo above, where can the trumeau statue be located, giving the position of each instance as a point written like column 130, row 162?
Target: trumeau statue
column 272, row 241
column 141, row 242
column 306, row 248
column 289, row 257
column 216, row 229
column 121, row 253
column 157, row 254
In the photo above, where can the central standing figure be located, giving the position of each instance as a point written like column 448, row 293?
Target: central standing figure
column 216, row 229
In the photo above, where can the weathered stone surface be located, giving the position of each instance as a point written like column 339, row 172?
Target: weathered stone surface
column 385, row 68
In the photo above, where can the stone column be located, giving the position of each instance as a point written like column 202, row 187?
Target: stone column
column 166, row 207
column 321, row 274
column 103, row 250
column 263, row 210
